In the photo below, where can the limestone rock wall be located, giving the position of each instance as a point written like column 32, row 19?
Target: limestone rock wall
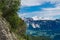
column 5, row 33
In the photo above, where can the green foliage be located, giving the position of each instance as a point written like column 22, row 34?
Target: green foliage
column 0, row 13
column 9, row 10
column 9, row 5
column 39, row 38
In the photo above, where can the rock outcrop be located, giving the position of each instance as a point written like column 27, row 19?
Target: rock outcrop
column 5, row 33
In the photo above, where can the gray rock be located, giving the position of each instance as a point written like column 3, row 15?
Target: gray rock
column 5, row 33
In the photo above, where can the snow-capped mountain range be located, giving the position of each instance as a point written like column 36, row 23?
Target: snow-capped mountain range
column 39, row 18
column 42, row 18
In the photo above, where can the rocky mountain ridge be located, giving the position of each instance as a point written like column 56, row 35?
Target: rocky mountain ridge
column 5, row 33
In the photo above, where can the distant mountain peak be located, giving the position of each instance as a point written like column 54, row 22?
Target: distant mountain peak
column 42, row 18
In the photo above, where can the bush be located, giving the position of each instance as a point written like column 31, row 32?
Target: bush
column 9, row 10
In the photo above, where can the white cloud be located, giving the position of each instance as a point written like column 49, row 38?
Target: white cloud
column 37, row 2
column 46, row 13
column 49, row 9
column 51, row 12
column 22, row 15
column 29, row 2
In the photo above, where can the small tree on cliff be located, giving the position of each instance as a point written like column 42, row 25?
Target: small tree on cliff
column 9, row 9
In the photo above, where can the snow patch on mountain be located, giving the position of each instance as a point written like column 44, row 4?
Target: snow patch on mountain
column 35, row 25
column 42, row 18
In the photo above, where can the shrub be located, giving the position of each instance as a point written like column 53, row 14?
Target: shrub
column 9, row 10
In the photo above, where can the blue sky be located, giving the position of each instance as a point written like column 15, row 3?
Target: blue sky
column 40, row 8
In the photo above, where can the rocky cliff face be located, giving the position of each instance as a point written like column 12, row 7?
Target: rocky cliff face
column 5, row 33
